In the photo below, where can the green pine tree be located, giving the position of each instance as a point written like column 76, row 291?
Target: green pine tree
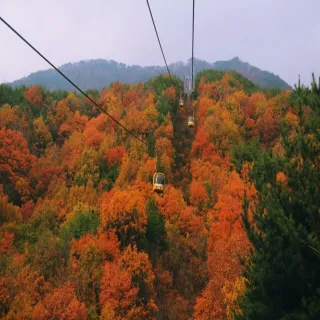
column 156, row 233
column 283, row 269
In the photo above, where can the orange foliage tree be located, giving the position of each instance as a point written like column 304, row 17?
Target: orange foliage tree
column 122, row 286
column 227, row 240
column 34, row 96
column 126, row 211
column 15, row 160
column 28, row 287
column 114, row 155
column 62, row 304
column 13, row 118
column 88, row 255
column 118, row 295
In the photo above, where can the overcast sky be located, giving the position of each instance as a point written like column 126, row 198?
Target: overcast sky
column 281, row 36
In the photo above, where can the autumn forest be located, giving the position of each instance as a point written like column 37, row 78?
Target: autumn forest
column 235, row 235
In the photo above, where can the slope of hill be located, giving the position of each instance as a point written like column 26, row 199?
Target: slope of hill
column 97, row 74
column 82, row 235
column 263, row 78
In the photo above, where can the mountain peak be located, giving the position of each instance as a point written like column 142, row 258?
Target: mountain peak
column 99, row 73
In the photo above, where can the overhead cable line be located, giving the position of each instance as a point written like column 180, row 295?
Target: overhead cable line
column 192, row 58
column 155, row 29
column 192, row 41
column 71, row 82
column 164, row 58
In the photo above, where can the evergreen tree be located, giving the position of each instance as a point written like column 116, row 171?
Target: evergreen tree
column 283, row 268
column 156, row 232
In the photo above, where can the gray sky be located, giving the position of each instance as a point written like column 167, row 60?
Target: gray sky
column 281, row 36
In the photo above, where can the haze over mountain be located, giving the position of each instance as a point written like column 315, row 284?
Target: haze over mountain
column 99, row 73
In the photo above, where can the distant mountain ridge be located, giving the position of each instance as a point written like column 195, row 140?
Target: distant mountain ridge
column 99, row 73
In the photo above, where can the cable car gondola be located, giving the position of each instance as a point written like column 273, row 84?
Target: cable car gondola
column 158, row 177
column 158, row 182
column 181, row 103
column 191, row 121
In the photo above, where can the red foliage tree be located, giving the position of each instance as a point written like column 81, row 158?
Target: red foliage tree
column 6, row 243
column 27, row 210
column 34, row 96
column 114, row 155
column 269, row 127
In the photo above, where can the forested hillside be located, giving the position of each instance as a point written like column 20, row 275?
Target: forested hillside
column 236, row 234
column 98, row 74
